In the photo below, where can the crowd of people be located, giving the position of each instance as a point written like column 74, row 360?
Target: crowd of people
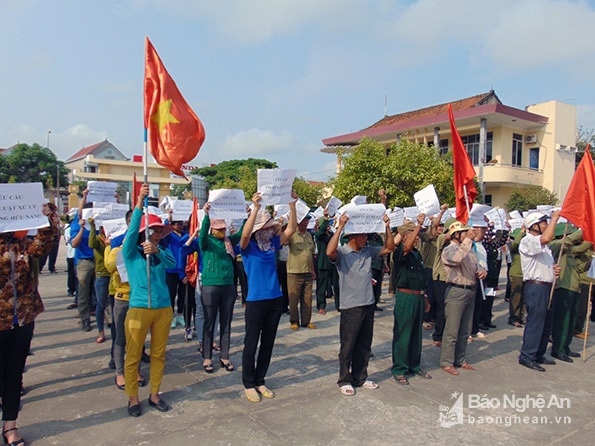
column 444, row 276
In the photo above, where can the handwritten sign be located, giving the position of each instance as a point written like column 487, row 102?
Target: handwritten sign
column 497, row 217
column 397, row 217
column 515, row 214
column 21, row 207
column 275, row 185
column 359, row 199
column 181, row 210
column 364, row 218
column 301, row 210
column 108, row 211
column 114, row 228
column 332, row 206
column 227, row 204
column 427, row 201
column 411, row 212
column 104, row 191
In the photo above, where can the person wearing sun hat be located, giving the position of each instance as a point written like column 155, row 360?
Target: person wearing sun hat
column 146, row 313
column 462, row 271
column 261, row 239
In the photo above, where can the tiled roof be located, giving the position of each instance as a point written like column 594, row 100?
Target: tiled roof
column 85, row 151
column 462, row 104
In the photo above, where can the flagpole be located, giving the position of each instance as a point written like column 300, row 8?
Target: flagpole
column 483, row 293
column 557, row 263
column 586, row 330
column 146, row 212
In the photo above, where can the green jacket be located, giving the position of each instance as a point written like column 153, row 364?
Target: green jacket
column 575, row 260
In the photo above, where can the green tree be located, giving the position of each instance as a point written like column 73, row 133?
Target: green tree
column 401, row 170
column 523, row 199
column 583, row 138
column 28, row 164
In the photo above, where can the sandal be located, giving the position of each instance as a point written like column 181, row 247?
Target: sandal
column 467, row 366
column 228, row 366
column 216, row 347
column 208, row 367
column 252, row 395
column 100, row 339
column 347, row 390
column 423, row 374
column 451, row 370
column 142, row 382
column 12, row 443
column 370, row 385
column 265, row 391
column 401, row 379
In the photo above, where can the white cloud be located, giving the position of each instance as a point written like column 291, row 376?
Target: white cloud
column 254, row 143
column 66, row 143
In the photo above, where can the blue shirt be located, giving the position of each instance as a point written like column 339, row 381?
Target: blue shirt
column 261, row 271
column 82, row 251
column 175, row 243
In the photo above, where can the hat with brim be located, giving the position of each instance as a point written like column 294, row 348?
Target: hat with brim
column 218, row 223
column 154, row 222
column 265, row 221
column 407, row 227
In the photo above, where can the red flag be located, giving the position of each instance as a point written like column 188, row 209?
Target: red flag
column 135, row 190
column 579, row 204
column 175, row 132
column 464, row 172
column 191, row 269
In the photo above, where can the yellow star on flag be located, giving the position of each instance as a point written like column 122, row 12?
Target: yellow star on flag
column 163, row 115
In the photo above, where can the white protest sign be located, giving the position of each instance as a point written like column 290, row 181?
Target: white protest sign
column 21, row 207
column 109, row 211
column 227, row 204
column 319, row 212
column 516, row 223
column 121, row 267
column 332, row 206
column 427, row 201
column 301, row 210
column 515, row 214
column 364, row 218
column 411, row 212
column 165, row 203
column 114, row 228
column 494, row 216
column 181, row 210
column 397, row 217
column 281, row 210
column 275, row 185
column 104, row 191
column 478, row 211
column 359, row 199
column 545, row 208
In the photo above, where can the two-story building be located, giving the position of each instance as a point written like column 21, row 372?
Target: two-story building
column 509, row 148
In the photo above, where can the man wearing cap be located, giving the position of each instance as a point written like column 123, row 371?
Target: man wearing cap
column 300, row 273
column 410, row 303
column 515, row 281
column 356, row 327
column 462, row 271
column 539, row 272
column 326, row 277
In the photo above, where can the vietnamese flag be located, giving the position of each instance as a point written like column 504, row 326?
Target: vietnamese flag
column 579, row 204
column 175, row 132
column 464, row 173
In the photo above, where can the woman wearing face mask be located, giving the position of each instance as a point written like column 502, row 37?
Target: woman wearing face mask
column 218, row 287
column 260, row 242
column 146, row 312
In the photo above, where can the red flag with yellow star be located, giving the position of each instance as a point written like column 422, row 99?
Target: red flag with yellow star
column 175, row 132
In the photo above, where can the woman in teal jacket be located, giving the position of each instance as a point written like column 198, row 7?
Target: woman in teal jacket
column 146, row 312
column 218, row 286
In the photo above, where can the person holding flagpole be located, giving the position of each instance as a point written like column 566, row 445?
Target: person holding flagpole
column 146, row 312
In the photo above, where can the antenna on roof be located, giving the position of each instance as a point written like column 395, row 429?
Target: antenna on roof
column 385, row 103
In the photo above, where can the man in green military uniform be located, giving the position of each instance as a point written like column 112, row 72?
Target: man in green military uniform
column 409, row 282
column 575, row 259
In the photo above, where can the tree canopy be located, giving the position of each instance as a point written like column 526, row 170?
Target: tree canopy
column 401, row 170
column 526, row 198
column 27, row 164
column 242, row 174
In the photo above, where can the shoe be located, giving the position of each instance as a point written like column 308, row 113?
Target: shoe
column 100, row 339
column 465, row 366
column 188, row 335
column 173, row 323
column 451, row 370
column 53, row 271
column 438, row 343
column 265, row 391
column 515, row 324
column 491, row 325
column 112, row 364
column 180, row 321
column 401, row 379
column 134, row 410
column 160, row 405
column 322, row 311
column 18, row 442
column 70, row 294
column 293, row 326
column 377, row 308
column 228, row 366
column 71, row 306
column 423, row 374
column 543, row 360
column 216, row 348
column 531, row 365
column 347, row 389
column 573, row 354
column 469, row 339
column 370, row 385
column 208, row 368
column 142, row 382
column 427, row 325
column 252, row 395
column 582, row 335
column 481, row 335
column 86, row 325
column 310, row 326
column 119, row 386
column 145, row 358
column 483, row 327
column 564, row 358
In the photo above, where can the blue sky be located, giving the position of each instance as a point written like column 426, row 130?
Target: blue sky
column 271, row 79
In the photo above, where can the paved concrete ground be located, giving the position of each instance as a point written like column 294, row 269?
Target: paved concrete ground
column 71, row 398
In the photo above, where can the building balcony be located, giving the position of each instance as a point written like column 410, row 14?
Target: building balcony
column 509, row 175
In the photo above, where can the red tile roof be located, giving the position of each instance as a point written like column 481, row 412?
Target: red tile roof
column 85, row 151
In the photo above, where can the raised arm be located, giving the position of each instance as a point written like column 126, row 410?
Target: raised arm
column 249, row 225
column 333, row 244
